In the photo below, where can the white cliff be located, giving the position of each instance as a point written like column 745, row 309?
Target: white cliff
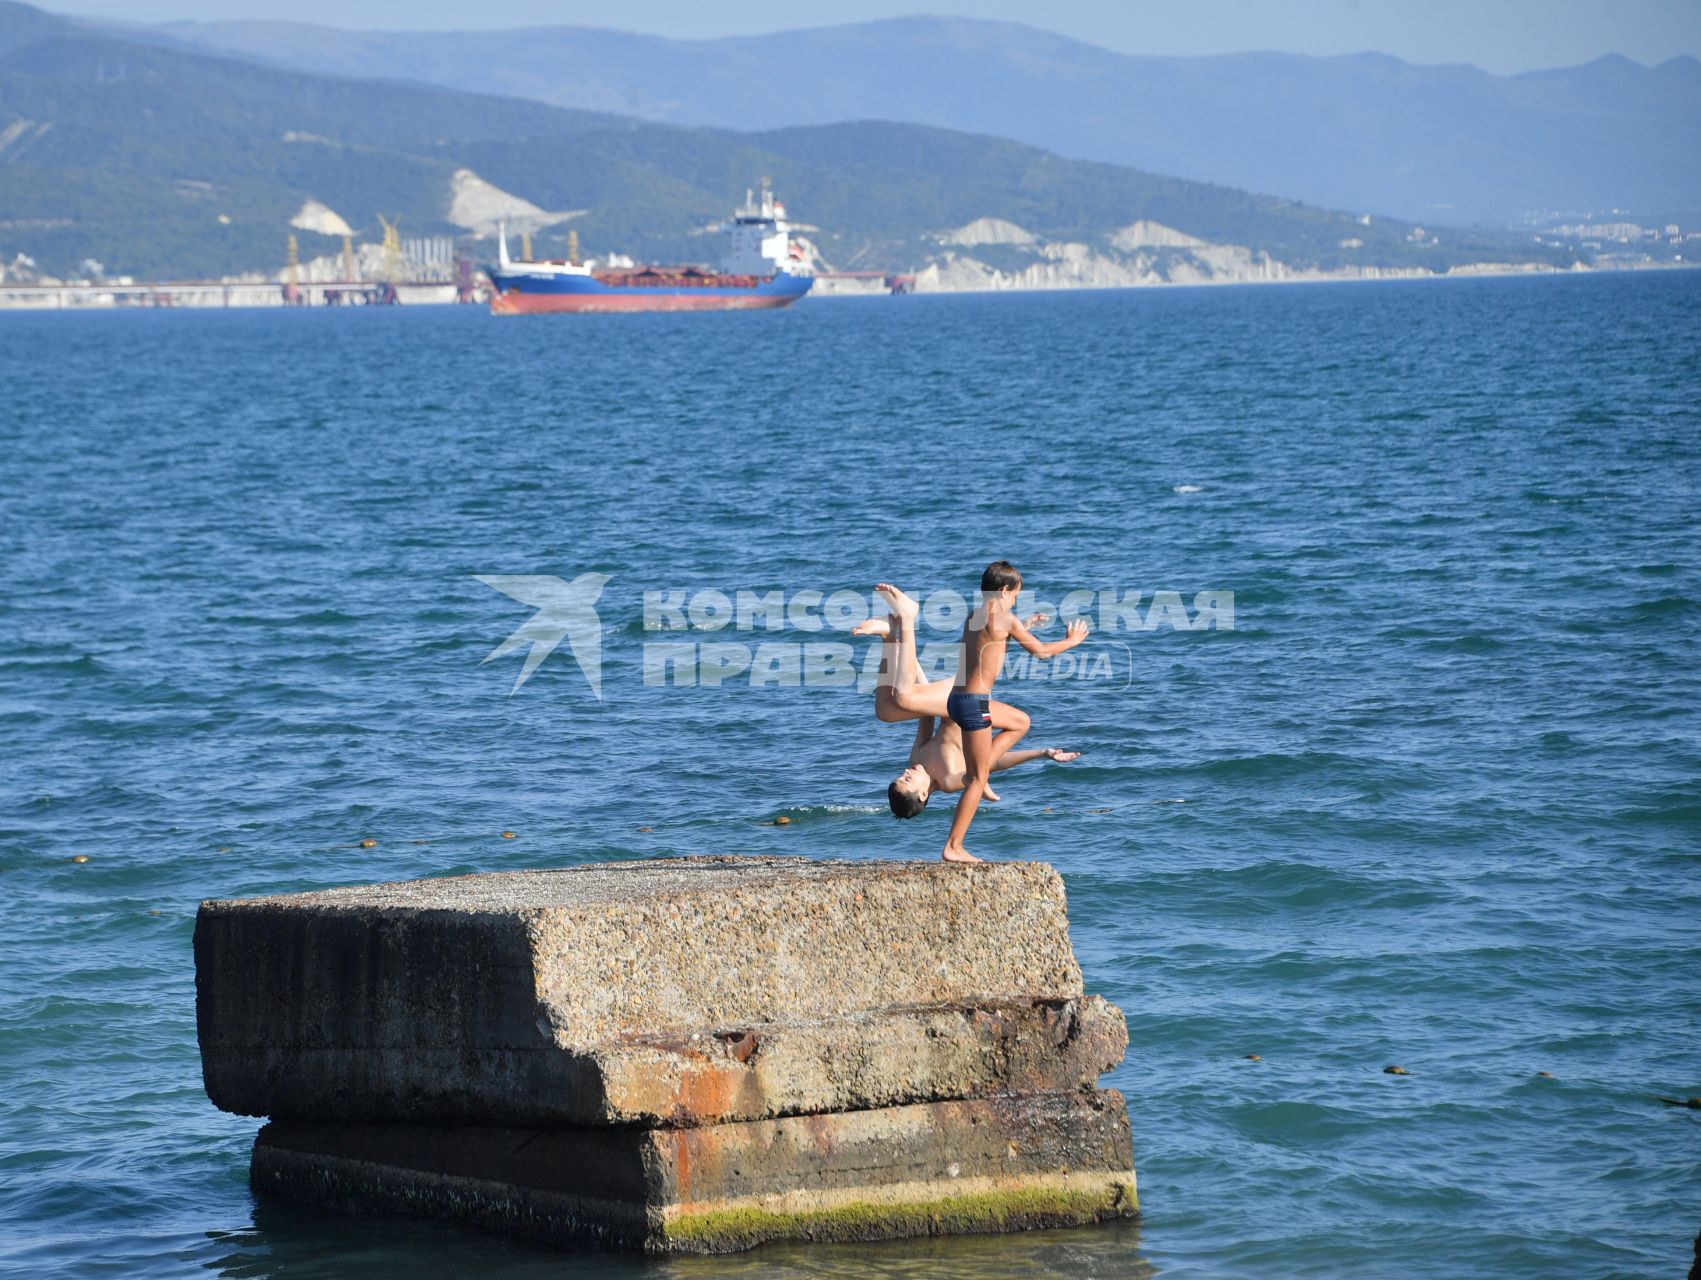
column 478, row 206
column 989, row 231
column 316, row 217
column 1153, row 235
column 1143, row 253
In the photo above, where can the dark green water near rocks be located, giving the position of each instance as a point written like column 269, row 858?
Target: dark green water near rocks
column 1433, row 800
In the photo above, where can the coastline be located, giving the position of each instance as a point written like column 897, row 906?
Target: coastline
column 197, row 296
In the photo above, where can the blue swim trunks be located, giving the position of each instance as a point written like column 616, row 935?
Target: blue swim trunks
column 970, row 711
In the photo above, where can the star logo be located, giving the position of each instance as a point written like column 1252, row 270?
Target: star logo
column 565, row 610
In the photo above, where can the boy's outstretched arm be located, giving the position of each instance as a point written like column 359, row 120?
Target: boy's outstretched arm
column 925, row 728
column 1072, row 636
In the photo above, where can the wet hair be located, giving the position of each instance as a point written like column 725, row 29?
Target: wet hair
column 1000, row 574
column 905, row 804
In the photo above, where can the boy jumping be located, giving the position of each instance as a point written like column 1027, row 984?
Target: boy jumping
column 936, row 762
column 986, row 632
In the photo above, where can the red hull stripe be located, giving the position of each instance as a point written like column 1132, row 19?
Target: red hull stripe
column 515, row 303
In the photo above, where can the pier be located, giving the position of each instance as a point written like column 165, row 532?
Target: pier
column 218, row 293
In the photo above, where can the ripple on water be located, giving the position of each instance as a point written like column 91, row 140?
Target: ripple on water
column 1430, row 803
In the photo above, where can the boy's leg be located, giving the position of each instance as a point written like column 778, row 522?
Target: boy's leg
column 977, row 765
column 902, row 693
column 919, row 696
column 1009, row 724
column 1012, row 724
column 891, row 654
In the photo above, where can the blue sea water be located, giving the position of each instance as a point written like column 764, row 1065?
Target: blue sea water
column 1432, row 801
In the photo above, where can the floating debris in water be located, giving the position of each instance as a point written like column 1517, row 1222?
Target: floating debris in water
column 223, row 848
column 1395, row 1071
column 1189, row 488
column 508, row 835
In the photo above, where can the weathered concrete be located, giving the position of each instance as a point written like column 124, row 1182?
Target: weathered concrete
column 572, row 995
column 993, row 1164
column 679, row 1055
column 884, row 1057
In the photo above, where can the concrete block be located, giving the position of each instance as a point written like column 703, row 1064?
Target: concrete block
column 572, row 995
column 990, row 1164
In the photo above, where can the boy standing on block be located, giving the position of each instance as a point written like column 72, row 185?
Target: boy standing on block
column 985, row 634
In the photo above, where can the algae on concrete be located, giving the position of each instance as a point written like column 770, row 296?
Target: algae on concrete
column 1019, row 1208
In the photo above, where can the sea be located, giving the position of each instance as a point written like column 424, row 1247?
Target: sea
column 1389, row 721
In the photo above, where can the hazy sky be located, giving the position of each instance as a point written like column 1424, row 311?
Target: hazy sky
column 1499, row 35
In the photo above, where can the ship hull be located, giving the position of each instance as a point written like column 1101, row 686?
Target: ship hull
column 518, row 292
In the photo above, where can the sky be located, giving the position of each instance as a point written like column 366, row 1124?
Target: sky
column 1502, row 36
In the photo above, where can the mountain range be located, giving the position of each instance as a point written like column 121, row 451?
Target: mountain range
column 1366, row 133
column 162, row 162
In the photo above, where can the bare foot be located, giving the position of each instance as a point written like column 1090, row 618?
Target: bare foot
column 959, row 855
column 873, row 627
column 1062, row 757
column 988, row 794
column 896, row 600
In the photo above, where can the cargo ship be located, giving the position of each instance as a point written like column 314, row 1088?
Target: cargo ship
column 762, row 267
